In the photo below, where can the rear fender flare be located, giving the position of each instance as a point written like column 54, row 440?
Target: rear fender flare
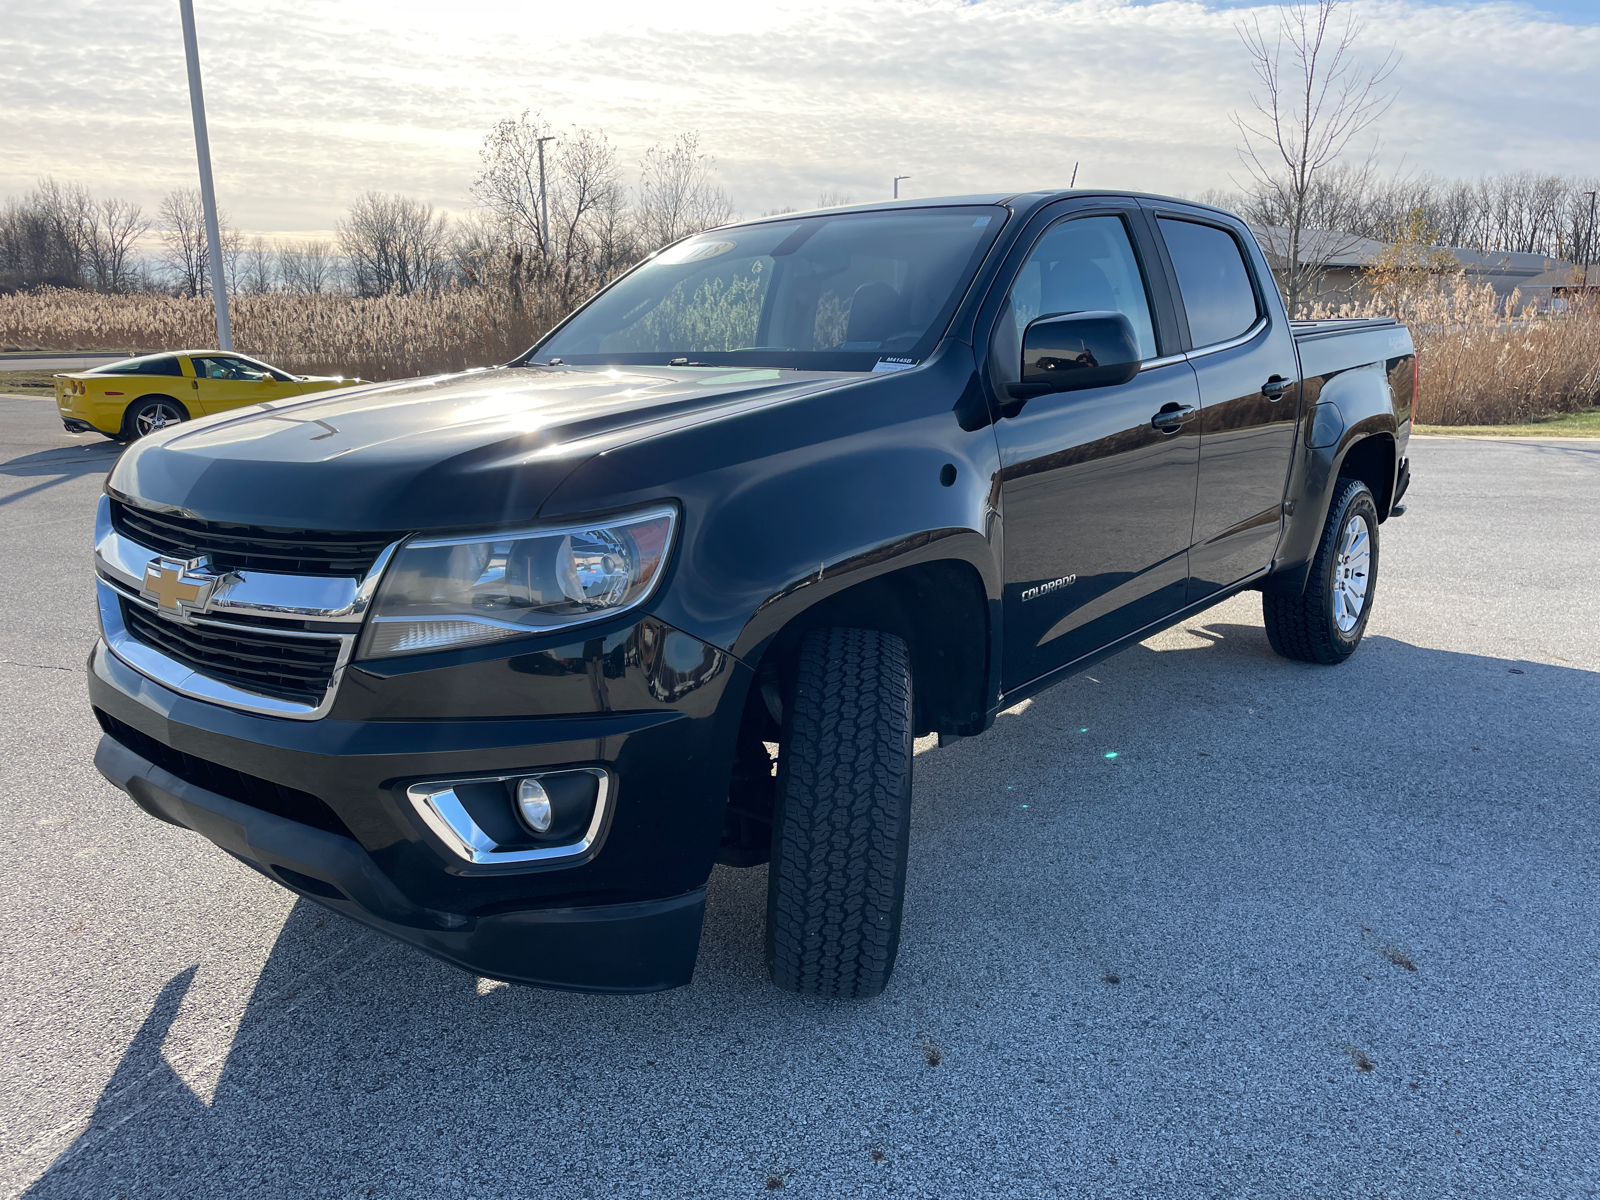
column 1342, row 411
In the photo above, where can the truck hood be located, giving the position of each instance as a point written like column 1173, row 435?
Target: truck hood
column 479, row 448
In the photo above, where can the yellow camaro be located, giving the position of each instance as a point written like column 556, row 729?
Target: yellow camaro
column 128, row 399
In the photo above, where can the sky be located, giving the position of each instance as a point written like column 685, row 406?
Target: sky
column 312, row 102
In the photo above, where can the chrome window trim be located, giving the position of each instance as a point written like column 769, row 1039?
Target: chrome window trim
column 1217, row 347
column 444, row 814
column 1151, row 364
column 186, row 681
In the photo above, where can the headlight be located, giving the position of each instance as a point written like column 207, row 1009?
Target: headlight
column 444, row 593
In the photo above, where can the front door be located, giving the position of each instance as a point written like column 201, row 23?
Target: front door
column 1097, row 502
column 1249, row 396
column 225, row 381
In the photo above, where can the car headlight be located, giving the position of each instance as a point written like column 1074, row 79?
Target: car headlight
column 445, row 593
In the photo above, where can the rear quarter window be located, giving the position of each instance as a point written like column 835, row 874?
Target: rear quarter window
column 162, row 364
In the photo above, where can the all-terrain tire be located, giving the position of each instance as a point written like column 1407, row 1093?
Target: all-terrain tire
column 842, row 823
column 1307, row 627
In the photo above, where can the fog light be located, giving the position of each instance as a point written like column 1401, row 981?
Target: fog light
column 533, row 802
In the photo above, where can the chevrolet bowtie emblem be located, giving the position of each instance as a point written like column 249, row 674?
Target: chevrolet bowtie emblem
column 180, row 589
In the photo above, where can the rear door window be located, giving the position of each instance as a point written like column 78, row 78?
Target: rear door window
column 1218, row 297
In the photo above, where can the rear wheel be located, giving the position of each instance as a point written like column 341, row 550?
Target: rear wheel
column 149, row 413
column 842, row 823
column 1326, row 622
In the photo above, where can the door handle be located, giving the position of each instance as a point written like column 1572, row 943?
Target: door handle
column 1275, row 387
column 1172, row 417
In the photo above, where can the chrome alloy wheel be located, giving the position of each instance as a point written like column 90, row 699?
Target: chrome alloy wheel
column 1351, row 573
column 157, row 416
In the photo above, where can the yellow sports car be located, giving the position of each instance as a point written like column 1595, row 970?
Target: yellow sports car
column 127, row 399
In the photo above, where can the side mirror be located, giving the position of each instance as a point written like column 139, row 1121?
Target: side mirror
column 269, row 379
column 1075, row 351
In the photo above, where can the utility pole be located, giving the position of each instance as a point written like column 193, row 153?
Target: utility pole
column 897, row 180
column 208, row 193
column 544, row 206
column 1588, row 242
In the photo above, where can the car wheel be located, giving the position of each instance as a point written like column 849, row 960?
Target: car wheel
column 1326, row 622
column 837, row 879
column 150, row 413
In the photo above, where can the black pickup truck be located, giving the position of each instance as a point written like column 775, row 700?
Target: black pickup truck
column 500, row 663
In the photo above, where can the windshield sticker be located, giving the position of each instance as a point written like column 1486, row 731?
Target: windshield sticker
column 886, row 365
column 980, row 222
column 693, row 252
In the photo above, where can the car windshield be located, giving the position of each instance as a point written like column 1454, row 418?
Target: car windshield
column 840, row 292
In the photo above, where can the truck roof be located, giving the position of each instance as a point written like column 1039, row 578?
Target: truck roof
column 1022, row 200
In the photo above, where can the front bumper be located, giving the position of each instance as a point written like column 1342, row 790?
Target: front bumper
column 624, row 919
column 640, row 947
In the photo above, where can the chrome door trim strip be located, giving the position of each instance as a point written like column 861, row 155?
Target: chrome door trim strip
column 1217, row 347
column 1151, row 364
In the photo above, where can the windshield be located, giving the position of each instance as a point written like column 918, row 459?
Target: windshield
column 826, row 293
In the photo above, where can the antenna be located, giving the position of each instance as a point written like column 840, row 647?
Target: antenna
column 1074, row 182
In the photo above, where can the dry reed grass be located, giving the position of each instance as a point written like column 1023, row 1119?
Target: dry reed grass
column 1484, row 361
column 1487, row 361
column 388, row 337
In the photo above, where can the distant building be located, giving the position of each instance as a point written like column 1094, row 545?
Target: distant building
column 1346, row 258
column 1556, row 288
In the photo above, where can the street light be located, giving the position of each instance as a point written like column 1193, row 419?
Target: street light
column 544, row 207
column 897, row 180
column 208, row 194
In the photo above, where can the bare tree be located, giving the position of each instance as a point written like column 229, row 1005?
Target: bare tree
column 508, row 181
column 257, row 269
column 394, row 244
column 1315, row 99
column 833, row 198
column 590, row 234
column 183, row 239
column 44, row 237
column 677, row 195
column 306, row 268
column 115, row 227
column 589, row 227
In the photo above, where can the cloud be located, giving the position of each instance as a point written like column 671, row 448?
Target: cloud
column 312, row 103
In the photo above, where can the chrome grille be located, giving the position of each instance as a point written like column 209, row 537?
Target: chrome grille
column 283, row 664
column 251, row 547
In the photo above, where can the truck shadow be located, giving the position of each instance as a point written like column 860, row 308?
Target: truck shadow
column 361, row 1068
column 59, row 465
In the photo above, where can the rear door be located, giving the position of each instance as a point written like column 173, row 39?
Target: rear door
column 1244, row 360
column 1098, row 504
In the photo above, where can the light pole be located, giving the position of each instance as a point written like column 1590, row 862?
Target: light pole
column 208, row 194
column 544, row 206
column 897, row 180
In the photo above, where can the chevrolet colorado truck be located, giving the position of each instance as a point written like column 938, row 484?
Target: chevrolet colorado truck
column 501, row 662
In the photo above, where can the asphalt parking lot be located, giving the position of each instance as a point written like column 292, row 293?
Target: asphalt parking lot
column 1310, row 932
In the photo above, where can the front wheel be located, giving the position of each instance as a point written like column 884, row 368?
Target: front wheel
column 843, row 816
column 150, row 413
column 1325, row 623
